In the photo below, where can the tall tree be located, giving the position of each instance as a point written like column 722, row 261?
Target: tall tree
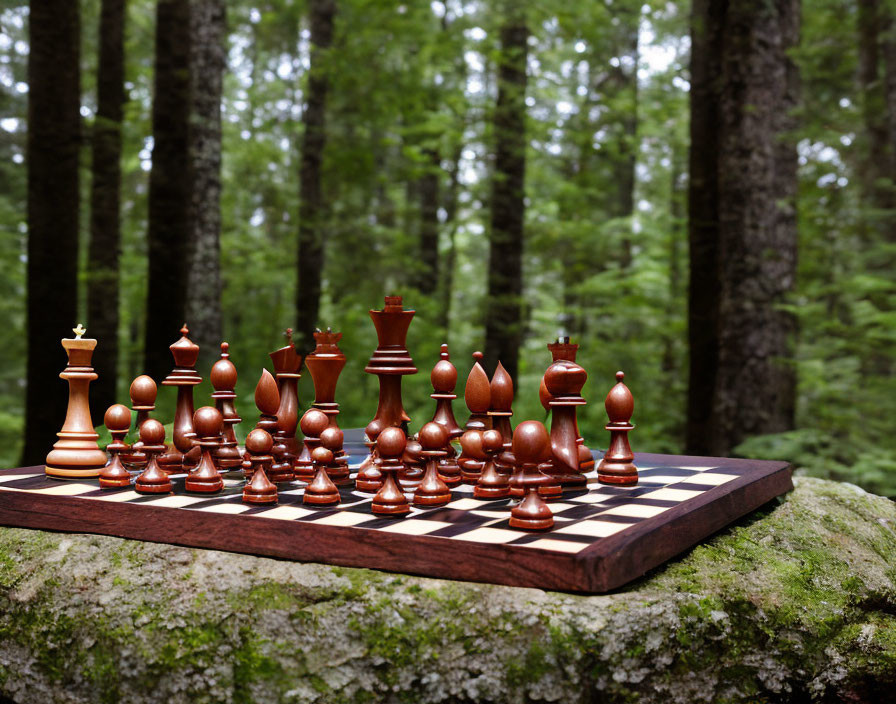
column 105, row 234
column 208, row 59
column 169, row 186
column 743, row 241
column 504, row 305
column 312, row 207
column 54, row 139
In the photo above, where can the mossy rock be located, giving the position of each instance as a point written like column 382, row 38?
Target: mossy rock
column 795, row 603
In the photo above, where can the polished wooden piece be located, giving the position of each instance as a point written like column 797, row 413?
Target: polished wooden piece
column 564, row 381
column 287, row 370
column 118, row 421
column 153, row 480
column 321, row 491
column 501, row 395
column 76, row 453
column 143, row 392
column 390, row 500
column 325, row 364
column 432, row 490
column 184, row 377
column 313, row 424
column 259, row 489
column 492, row 484
column 444, row 380
column 224, row 377
column 267, row 401
column 529, row 442
column 337, row 469
column 617, row 466
column 205, row 478
column 477, row 395
column 369, row 477
column 472, row 458
column 564, row 349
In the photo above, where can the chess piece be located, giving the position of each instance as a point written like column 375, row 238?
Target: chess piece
column 205, row 478
column 267, row 401
column 391, row 361
column 477, row 395
column 287, row 363
column 389, row 500
column 325, row 364
column 223, row 377
column 432, row 491
column 563, row 349
column 617, row 466
column 282, row 471
column 530, row 443
column 313, row 424
column 143, row 392
column 321, row 491
column 501, row 393
column 414, row 462
column 184, row 377
column 260, row 489
column 564, row 381
column 331, row 438
column 369, row 477
column 472, row 458
column 444, row 380
column 118, row 421
column 153, row 479
column 76, row 453
column 492, row 484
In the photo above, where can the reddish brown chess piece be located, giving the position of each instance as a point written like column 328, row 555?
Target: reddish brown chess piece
column 617, row 466
column 501, row 392
column 223, row 377
column 549, row 490
column 564, row 381
column 369, row 477
column 389, row 500
column 206, row 479
column 143, row 392
column 492, row 484
column 76, row 453
column 391, row 361
column 267, row 401
column 313, row 424
column 432, row 491
column 564, row 349
column 472, row 458
column 260, row 489
column 184, row 377
column 321, row 491
column 530, row 441
column 325, row 364
column 444, row 380
column 153, row 480
column 414, row 462
column 118, row 421
column 331, row 438
column 287, row 365
column 282, row 470
column 477, row 395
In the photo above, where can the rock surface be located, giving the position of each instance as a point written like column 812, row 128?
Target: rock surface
column 795, row 603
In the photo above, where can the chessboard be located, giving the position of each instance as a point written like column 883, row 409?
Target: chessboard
column 603, row 536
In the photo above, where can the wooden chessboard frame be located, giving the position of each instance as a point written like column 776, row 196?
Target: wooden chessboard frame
column 607, row 564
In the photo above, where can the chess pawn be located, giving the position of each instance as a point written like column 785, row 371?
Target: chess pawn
column 321, row 491
column 564, row 381
column 206, row 479
column 282, row 468
column 491, row 484
column 472, row 459
column 260, row 489
column 617, row 466
column 550, row 490
column 118, row 421
column 153, row 480
column 76, row 453
column 449, row 470
column 389, row 500
column 313, row 424
column 444, row 380
column 414, row 464
column 370, row 478
column 530, row 441
column 432, row 491
column 223, row 377
column 332, row 438
column 143, row 392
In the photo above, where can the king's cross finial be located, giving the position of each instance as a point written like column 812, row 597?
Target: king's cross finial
column 79, row 331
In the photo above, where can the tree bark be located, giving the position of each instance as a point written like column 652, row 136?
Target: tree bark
column 504, row 305
column 169, row 187
column 312, row 207
column 755, row 241
column 208, row 61
column 53, row 144
column 428, row 190
column 105, row 232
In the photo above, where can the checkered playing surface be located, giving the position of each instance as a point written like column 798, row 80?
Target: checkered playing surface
column 580, row 518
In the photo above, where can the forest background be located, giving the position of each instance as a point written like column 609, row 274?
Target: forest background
column 700, row 195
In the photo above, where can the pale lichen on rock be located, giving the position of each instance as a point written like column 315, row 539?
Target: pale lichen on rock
column 795, row 603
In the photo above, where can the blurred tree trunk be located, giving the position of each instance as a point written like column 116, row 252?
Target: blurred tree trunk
column 428, row 190
column 105, row 232
column 451, row 203
column 53, row 144
column 169, row 187
column 311, row 206
column 753, row 239
column 504, row 304
column 208, row 60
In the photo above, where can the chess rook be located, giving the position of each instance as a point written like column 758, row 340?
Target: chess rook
column 617, row 466
column 76, row 453
column 118, row 421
